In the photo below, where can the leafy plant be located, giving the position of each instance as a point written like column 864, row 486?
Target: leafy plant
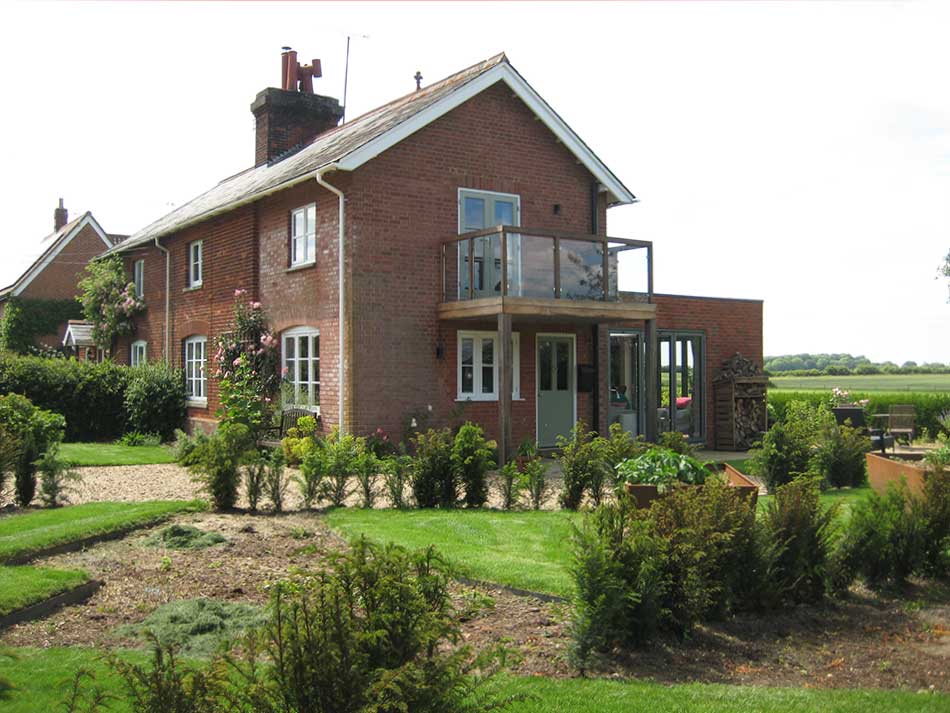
column 935, row 511
column 340, row 452
column 510, row 485
column 367, row 468
column 534, row 482
column 108, row 298
column 9, row 450
column 25, row 320
column 300, row 440
column 621, row 446
column 312, row 478
column 34, row 430
column 275, row 483
column 55, row 477
column 255, row 477
column 137, row 438
column 472, row 459
column 662, row 468
column 155, row 399
column 582, row 465
column 839, row 456
column 676, row 442
column 433, row 475
column 396, row 475
column 216, row 462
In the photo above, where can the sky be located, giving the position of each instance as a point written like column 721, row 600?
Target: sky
column 794, row 152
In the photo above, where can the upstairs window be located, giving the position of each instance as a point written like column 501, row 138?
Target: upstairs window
column 139, row 350
column 138, row 277
column 303, row 235
column 195, row 382
column 301, row 368
column 195, row 263
column 478, row 366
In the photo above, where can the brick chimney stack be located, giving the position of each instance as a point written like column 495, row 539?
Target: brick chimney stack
column 292, row 115
column 60, row 216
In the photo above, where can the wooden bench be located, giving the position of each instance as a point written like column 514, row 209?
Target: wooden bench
column 274, row 435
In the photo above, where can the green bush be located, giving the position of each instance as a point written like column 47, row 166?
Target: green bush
column 135, row 439
column 216, row 462
column 510, row 485
column 788, row 448
column 312, row 478
column 886, row 539
column 367, row 467
column 839, row 456
column 534, row 481
column 676, row 442
column 935, row 510
column 25, row 320
column 10, row 445
column 255, row 476
column 300, row 440
column 35, row 430
column 396, row 470
column 621, row 446
column 663, row 468
column 275, row 481
column 55, row 477
column 803, row 530
column 155, row 399
column 341, row 453
column 583, row 466
column 472, row 459
column 433, row 475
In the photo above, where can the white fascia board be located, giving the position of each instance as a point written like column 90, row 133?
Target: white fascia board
column 617, row 192
column 37, row 269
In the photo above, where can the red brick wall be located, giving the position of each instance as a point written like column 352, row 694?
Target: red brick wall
column 399, row 208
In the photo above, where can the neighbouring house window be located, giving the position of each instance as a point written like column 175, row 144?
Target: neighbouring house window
column 303, row 236
column 301, row 367
column 138, row 277
column 139, row 352
column 100, row 355
column 195, row 381
column 478, row 362
column 195, row 263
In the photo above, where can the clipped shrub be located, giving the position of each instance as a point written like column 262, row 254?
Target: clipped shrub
column 396, row 470
column 582, row 465
column 35, row 430
column 534, row 481
column 472, row 459
column 56, row 477
column 340, row 453
column 662, row 468
column 433, row 475
column 216, row 462
column 803, row 569
column 886, row 538
column 312, row 478
column 510, row 485
column 155, row 399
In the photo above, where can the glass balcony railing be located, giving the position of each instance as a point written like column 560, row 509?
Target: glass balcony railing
column 508, row 261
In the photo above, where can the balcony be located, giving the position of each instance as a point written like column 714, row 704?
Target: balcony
column 543, row 274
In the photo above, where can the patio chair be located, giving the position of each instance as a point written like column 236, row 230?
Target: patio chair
column 854, row 416
column 274, row 435
column 901, row 421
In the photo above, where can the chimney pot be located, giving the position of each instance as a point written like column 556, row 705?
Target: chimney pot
column 60, row 216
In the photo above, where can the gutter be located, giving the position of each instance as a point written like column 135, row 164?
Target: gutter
column 341, row 366
column 167, row 348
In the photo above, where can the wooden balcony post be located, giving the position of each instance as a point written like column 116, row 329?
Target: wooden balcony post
column 652, row 369
column 506, row 372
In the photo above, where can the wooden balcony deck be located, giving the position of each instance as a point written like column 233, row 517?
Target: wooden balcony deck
column 520, row 308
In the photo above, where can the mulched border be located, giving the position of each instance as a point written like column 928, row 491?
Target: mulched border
column 44, row 608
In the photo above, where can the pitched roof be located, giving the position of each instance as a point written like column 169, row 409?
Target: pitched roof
column 351, row 145
column 78, row 334
column 26, row 259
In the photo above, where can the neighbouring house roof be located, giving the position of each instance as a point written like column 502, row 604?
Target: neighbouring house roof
column 78, row 334
column 27, row 259
column 351, row 145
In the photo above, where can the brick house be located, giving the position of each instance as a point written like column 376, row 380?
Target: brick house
column 50, row 268
column 363, row 220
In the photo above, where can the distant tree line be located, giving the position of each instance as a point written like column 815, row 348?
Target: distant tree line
column 844, row 365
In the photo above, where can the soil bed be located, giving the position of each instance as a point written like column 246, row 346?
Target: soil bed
column 869, row 641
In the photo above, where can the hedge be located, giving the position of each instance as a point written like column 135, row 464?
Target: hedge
column 92, row 397
column 928, row 407
column 24, row 321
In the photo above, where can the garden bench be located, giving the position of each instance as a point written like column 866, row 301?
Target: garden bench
column 854, row 415
column 274, row 435
column 901, row 421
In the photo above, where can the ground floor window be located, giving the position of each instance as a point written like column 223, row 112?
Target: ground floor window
column 478, row 366
column 195, row 381
column 139, row 350
column 301, row 368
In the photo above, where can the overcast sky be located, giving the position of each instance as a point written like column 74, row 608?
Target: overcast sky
column 796, row 152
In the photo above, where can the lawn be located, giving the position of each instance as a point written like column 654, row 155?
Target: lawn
column 845, row 499
column 83, row 454
column 42, row 677
column 22, row 586
column 22, row 534
column 927, row 383
column 528, row 550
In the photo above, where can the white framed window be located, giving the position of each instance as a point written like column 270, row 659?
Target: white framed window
column 479, row 210
column 139, row 352
column 138, row 277
column 100, row 355
column 303, row 235
column 478, row 361
column 196, row 388
column 300, row 355
column 195, row 263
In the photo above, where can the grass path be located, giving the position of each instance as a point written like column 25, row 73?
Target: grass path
column 42, row 677
column 24, row 533
column 101, row 454
column 529, row 550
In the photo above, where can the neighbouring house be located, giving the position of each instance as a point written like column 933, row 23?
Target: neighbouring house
column 442, row 257
column 78, row 342
column 42, row 275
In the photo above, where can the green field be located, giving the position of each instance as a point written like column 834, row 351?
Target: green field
column 926, row 383
column 42, row 677
column 83, row 454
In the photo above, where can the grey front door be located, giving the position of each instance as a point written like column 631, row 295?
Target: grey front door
column 555, row 388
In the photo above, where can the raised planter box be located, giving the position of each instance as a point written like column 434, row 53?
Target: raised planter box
column 884, row 470
column 644, row 495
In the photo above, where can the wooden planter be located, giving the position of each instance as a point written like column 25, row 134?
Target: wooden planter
column 644, row 495
column 884, row 470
